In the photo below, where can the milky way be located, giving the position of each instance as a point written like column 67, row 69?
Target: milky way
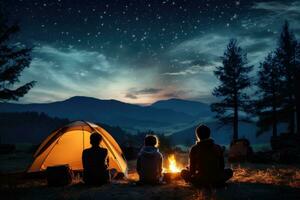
column 140, row 51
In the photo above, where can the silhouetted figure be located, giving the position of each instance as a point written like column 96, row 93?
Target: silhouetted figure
column 149, row 162
column 95, row 162
column 206, row 161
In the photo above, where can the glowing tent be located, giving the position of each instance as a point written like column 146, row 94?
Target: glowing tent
column 65, row 146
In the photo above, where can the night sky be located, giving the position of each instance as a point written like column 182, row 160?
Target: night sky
column 140, row 51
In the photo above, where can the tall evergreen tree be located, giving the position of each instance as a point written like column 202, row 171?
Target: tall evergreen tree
column 297, row 86
column 270, row 81
column 234, row 78
column 13, row 60
column 286, row 54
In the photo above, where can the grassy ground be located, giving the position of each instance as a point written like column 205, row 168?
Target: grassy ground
column 249, row 182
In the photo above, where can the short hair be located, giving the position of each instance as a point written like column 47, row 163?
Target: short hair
column 151, row 140
column 95, row 139
column 202, row 132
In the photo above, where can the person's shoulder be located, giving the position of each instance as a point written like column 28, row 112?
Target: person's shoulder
column 218, row 148
column 159, row 154
column 86, row 151
column 194, row 147
column 104, row 150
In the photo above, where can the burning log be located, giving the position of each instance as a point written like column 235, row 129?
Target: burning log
column 173, row 171
column 168, row 177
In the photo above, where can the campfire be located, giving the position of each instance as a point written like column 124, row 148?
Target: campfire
column 172, row 171
column 172, row 165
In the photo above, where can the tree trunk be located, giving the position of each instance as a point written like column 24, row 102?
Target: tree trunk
column 274, row 106
column 292, row 116
column 298, row 115
column 274, row 115
column 297, row 99
column 235, row 119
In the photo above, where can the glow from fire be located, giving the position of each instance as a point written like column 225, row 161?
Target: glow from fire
column 172, row 164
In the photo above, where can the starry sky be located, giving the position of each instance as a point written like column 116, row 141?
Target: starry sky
column 140, row 51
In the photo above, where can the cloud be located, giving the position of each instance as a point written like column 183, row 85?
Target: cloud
column 291, row 7
column 274, row 12
column 71, row 59
column 64, row 72
column 210, row 45
column 197, row 56
column 131, row 96
column 191, row 70
column 133, row 93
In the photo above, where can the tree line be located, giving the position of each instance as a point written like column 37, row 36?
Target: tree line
column 276, row 96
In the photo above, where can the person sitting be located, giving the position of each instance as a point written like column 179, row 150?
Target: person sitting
column 206, row 162
column 95, row 162
column 149, row 162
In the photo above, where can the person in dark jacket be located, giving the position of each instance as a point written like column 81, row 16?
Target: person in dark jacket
column 149, row 162
column 206, row 158
column 95, row 162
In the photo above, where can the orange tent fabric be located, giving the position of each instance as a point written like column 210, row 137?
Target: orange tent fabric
column 65, row 146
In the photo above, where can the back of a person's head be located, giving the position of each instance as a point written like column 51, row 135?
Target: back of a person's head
column 95, row 139
column 202, row 132
column 151, row 140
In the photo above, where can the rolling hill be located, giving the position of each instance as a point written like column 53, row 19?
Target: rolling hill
column 194, row 108
column 110, row 112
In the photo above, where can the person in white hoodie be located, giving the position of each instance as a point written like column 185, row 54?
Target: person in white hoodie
column 149, row 162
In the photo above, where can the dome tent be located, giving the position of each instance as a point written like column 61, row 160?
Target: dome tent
column 65, row 146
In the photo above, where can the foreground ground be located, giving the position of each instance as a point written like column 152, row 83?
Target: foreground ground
column 249, row 182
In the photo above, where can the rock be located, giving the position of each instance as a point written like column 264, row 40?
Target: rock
column 240, row 151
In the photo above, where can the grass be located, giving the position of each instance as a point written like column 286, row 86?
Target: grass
column 250, row 181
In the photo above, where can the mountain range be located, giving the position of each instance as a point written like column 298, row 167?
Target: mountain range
column 164, row 116
column 193, row 108
column 175, row 117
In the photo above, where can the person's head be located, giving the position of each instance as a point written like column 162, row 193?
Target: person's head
column 151, row 140
column 202, row 132
column 95, row 139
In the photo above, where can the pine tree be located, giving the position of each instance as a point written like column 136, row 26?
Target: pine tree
column 286, row 54
column 234, row 78
column 13, row 60
column 297, row 85
column 270, row 81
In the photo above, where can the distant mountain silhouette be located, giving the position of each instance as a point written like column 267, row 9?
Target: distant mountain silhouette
column 194, row 108
column 110, row 112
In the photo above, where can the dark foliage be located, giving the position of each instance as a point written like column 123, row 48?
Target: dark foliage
column 234, row 78
column 28, row 127
column 13, row 60
column 270, row 86
column 278, row 85
column 286, row 55
column 297, row 86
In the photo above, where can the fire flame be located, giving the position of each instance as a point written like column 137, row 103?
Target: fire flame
column 172, row 164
